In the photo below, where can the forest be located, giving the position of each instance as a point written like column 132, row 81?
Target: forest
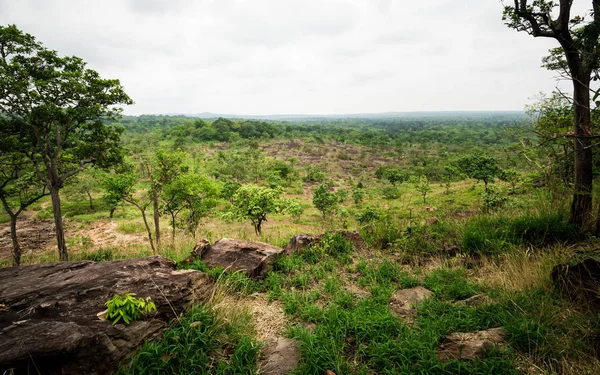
column 432, row 243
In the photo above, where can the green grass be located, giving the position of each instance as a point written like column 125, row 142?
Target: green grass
column 200, row 343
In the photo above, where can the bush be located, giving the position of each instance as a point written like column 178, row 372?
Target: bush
column 493, row 234
column 128, row 308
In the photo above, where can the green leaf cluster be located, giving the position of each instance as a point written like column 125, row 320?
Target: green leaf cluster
column 127, row 307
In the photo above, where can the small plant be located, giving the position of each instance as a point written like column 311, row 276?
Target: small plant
column 128, row 308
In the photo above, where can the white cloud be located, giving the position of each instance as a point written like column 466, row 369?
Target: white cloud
column 289, row 56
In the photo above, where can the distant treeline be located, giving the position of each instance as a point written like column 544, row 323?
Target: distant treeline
column 451, row 130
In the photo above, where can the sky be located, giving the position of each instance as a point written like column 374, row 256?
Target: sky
column 296, row 56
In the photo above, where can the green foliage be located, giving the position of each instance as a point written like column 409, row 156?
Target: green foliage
column 493, row 197
column 325, row 200
column 367, row 216
column 229, row 189
column 127, row 308
column 201, row 343
column 254, row 203
column 480, row 167
column 358, row 195
column 393, row 175
column 315, row 174
column 422, row 187
column 494, row 234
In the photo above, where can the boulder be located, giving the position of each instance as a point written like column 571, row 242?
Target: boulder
column 50, row 317
column 470, row 345
column 252, row 258
column 580, row 281
column 280, row 356
column 300, row 242
column 404, row 300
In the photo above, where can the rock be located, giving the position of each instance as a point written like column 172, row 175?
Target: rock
column 476, row 300
column 404, row 300
column 430, row 221
column 580, row 281
column 280, row 356
column 51, row 320
column 470, row 345
column 464, row 213
column 252, row 258
column 300, row 242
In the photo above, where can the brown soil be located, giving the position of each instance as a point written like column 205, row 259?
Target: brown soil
column 34, row 236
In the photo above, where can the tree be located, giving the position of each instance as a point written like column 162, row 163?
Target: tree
column 393, row 175
column 19, row 188
column 480, row 167
column 159, row 170
column 422, row 186
column 192, row 192
column 578, row 57
column 64, row 107
column 254, row 203
column 325, row 200
column 120, row 187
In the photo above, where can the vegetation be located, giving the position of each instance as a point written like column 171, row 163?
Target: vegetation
column 128, row 308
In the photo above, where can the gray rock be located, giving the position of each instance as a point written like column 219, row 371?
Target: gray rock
column 404, row 300
column 252, row 258
column 49, row 321
column 300, row 242
column 470, row 345
column 280, row 356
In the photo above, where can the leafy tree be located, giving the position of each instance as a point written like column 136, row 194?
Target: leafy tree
column 120, row 187
column 358, row 195
column 193, row 192
column 480, row 167
column 577, row 57
column 393, row 175
column 63, row 106
column 325, row 200
column 423, row 187
column 19, row 188
column 513, row 177
column 229, row 189
column 254, row 203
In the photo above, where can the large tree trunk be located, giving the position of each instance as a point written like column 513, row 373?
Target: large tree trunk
column 582, row 198
column 13, row 236
column 58, row 224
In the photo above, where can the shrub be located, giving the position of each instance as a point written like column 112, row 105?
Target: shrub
column 128, row 308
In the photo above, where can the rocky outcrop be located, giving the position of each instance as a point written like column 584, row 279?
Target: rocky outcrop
column 252, row 258
column 48, row 314
column 300, row 242
column 580, row 281
column 470, row 345
column 404, row 300
column 280, row 356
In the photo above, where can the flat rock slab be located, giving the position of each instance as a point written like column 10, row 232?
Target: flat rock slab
column 404, row 300
column 300, row 242
column 470, row 345
column 280, row 356
column 49, row 317
column 252, row 258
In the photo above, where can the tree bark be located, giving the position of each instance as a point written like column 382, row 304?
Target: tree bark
column 13, row 236
column 58, row 224
column 582, row 196
column 91, row 201
column 156, row 212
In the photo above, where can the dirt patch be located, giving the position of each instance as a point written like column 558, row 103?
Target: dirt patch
column 268, row 316
column 101, row 234
column 34, row 236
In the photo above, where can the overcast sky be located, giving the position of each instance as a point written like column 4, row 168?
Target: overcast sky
column 296, row 56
